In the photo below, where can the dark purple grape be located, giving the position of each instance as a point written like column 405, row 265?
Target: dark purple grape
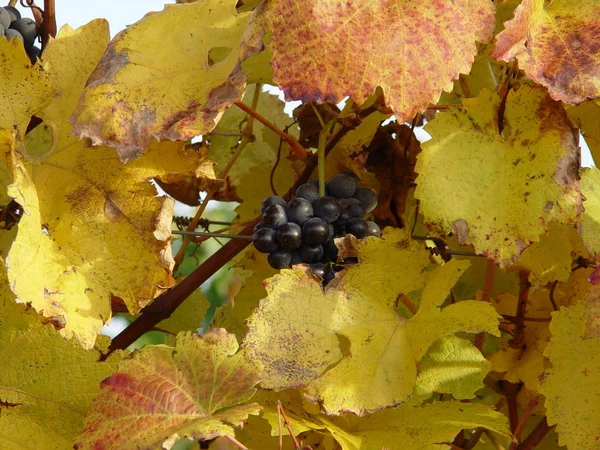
column 344, row 217
column 299, row 210
column 270, row 201
column 355, row 207
column 308, row 191
column 265, row 240
column 5, row 18
column 34, row 53
column 311, row 254
column 354, row 177
column 315, row 231
column 329, row 275
column 358, row 227
column 258, row 226
column 27, row 28
column 331, row 251
column 327, row 209
column 341, row 186
column 319, row 269
column 289, row 236
column 367, row 198
column 10, row 34
column 13, row 13
column 280, row 259
column 275, row 216
column 296, row 258
column 373, row 229
column 351, row 261
column 331, row 234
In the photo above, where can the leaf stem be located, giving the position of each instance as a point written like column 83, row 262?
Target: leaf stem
column 521, row 425
column 49, row 22
column 247, row 137
column 290, row 140
column 407, row 303
column 536, row 436
column 235, row 442
column 519, row 331
column 286, row 423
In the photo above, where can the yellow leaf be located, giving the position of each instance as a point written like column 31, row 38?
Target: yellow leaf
column 541, row 34
column 196, row 390
column 155, row 79
column 333, row 49
column 549, row 259
column 188, row 316
column 25, row 88
column 419, row 428
column 46, row 383
column 590, row 219
column 347, row 345
column 91, row 228
column 451, row 366
column 571, row 385
column 522, row 179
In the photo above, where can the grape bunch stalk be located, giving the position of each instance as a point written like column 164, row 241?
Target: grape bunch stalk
column 13, row 26
column 303, row 230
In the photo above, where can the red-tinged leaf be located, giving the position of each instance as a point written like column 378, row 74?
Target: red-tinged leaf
column 198, row 389
column 556, row 45
column 336, row 48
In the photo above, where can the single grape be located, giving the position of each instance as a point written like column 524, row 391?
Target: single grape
column 311, row 254
column 259, row 225
column 289, row 236
column 358, row 227
column 296, row 258
column 319, row 269
column 299, row 210
column 27, row 28
column 373, row 229
column 367, row 198
column 5, row 19
column 10, row 34
column 341, row 186
column 280, row 259
column 275, row 216
column 34, row 53
column 329, row 275
column 1, row 30
column 331, row 251
column 270, row 201
column 344, row 217
column 354, row 177
column 308, row 191
column 315, row 231
column 265, row 240
column 327, row 209
column 355, row 207
column 331, row 234
column 13, row 13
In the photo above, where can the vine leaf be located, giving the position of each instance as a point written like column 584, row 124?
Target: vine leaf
column 556, row 45
column 153, row 82
column 50, row 381
column 590, row 219
column 413, row 50
column 199, row 389
column 524, row 178
column 347, row 346
column 576, row 410
column 26, row 89
column 423, row 427
column 91, row 228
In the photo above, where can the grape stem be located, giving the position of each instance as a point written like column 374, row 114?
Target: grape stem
column 164, row 305
column 290, row 140
column 247, row 137
column 323, row 135
column 49, row 22
column 202, row 233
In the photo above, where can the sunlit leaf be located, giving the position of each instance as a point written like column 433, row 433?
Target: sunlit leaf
column 556, row 45
column 413, row 50
column 198, row 389
column 154, row 82
column 523, row 179
column 590, row 219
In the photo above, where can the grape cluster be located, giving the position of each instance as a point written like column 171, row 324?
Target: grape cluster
column 12, row 25
column 303, row 230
